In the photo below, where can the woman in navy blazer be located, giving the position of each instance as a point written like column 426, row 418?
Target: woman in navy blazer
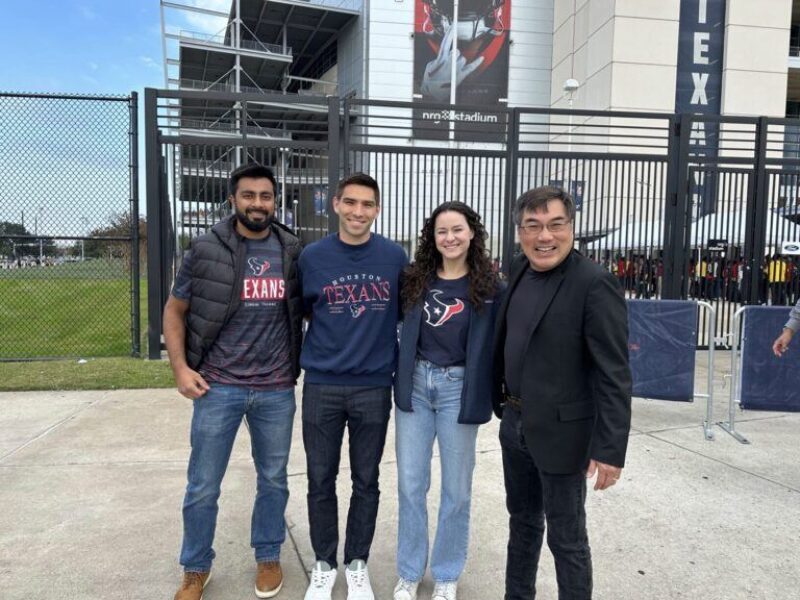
column 443, row 390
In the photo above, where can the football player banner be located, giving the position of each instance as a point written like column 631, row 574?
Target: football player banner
column 480, row 39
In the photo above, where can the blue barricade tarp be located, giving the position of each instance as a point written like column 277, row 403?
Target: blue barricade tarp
column 662, row 340
column 768, row 382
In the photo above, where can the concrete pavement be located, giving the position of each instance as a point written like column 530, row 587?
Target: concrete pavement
column 91, row 485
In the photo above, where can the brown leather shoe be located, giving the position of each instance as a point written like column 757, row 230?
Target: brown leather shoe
column 269, row 579
column 192, row 586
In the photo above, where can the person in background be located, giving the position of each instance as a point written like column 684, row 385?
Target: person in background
column 781, row 343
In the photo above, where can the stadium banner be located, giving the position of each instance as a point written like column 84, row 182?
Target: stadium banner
column 481, row 40
column 698, row 90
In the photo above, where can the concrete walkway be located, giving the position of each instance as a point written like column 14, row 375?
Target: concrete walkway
column 91, row 485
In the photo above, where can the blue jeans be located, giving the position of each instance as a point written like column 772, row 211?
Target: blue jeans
column 216, row 419
column 436, row 402
column 326, row 410
column 531, row 497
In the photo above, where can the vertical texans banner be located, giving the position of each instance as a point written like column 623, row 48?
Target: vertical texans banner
column 698, row 90
column 480, row 39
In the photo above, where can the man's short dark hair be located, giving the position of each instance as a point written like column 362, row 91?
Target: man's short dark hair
column 253, row 171
column 359, row 179
column 538, row 197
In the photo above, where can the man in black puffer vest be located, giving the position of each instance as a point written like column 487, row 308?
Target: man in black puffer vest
column 233, row 330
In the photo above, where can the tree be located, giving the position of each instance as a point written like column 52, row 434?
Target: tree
column 8, row 245
column 120, row 226
column 11, row 246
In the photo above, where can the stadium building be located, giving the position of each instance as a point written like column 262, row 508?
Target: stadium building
column 708, row 57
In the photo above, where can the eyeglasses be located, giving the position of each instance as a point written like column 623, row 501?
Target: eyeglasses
column 537, row 228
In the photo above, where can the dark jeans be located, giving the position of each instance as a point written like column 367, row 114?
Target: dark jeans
column 326, row 411
column 532, row 496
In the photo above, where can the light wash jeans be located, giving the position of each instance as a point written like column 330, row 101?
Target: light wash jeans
column 436, row 402
column 216, row 419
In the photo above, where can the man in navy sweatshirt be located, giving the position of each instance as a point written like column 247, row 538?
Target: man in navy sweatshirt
column 350, row 283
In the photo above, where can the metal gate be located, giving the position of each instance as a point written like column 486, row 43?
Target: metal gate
column 670, row 216
column 736, row 210
column 195, row 139
column 69, row 226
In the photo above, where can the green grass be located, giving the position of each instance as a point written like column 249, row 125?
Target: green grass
column 95, row 374
column 75, row 309
column 93, row 269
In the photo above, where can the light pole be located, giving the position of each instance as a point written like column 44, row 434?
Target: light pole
column 453, row 72
column 83, row 239
column 36, row 233
column 570, row 87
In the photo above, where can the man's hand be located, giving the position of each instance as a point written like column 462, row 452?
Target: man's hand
column 781, row 344
column 190, row 383
column 607, row 475
column 436, row 79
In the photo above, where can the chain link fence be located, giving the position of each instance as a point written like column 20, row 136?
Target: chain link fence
column 70, row 231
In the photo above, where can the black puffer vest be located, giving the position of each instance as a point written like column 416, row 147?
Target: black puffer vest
column 217, row 274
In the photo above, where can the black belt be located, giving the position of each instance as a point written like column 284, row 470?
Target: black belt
column 514, row 402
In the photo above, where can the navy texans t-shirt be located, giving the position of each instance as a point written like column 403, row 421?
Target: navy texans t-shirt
column 253, row 347
column 445, row 322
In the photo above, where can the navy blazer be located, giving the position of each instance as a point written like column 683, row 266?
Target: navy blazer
column 476, row 395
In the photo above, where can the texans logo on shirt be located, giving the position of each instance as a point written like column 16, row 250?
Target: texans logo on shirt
column 357, row 310
column 258, row 266
column 440, row 313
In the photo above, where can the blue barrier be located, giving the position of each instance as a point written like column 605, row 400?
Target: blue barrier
column 662, row 341
column 768, row 382
column 662, row 347
column 759, row 379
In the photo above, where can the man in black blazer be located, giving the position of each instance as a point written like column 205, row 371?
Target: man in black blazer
column 563, row 391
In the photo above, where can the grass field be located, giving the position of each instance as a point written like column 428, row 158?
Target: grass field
column 94, row 374
column 70, row 310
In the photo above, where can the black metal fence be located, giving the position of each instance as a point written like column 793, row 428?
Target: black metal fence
column 677, row 206
column 69, row 226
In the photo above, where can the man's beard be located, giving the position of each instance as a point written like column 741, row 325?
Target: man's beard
column 254, row 226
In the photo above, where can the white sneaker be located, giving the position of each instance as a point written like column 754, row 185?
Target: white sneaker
column 405, row 589
column 444, row 590
column 322, row 580
column 358, row 586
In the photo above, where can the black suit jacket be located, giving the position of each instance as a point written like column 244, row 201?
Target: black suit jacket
column 576, row 380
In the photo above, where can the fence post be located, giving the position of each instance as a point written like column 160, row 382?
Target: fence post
column 154, row 224
column 134, row 179
column 676, row 208
column 756, row 217
column 334, row 126
column 512, row 149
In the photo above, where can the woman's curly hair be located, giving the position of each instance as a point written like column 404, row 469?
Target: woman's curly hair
column 427, row 260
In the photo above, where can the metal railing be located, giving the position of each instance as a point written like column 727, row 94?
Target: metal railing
column 347, row 4
column 228, row 127
column 248, row 44
column 666, row 219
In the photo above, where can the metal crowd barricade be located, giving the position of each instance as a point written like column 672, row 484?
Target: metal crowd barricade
column 735, row 392
column 711, row 319
column 759, row 380
column 662, row 346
